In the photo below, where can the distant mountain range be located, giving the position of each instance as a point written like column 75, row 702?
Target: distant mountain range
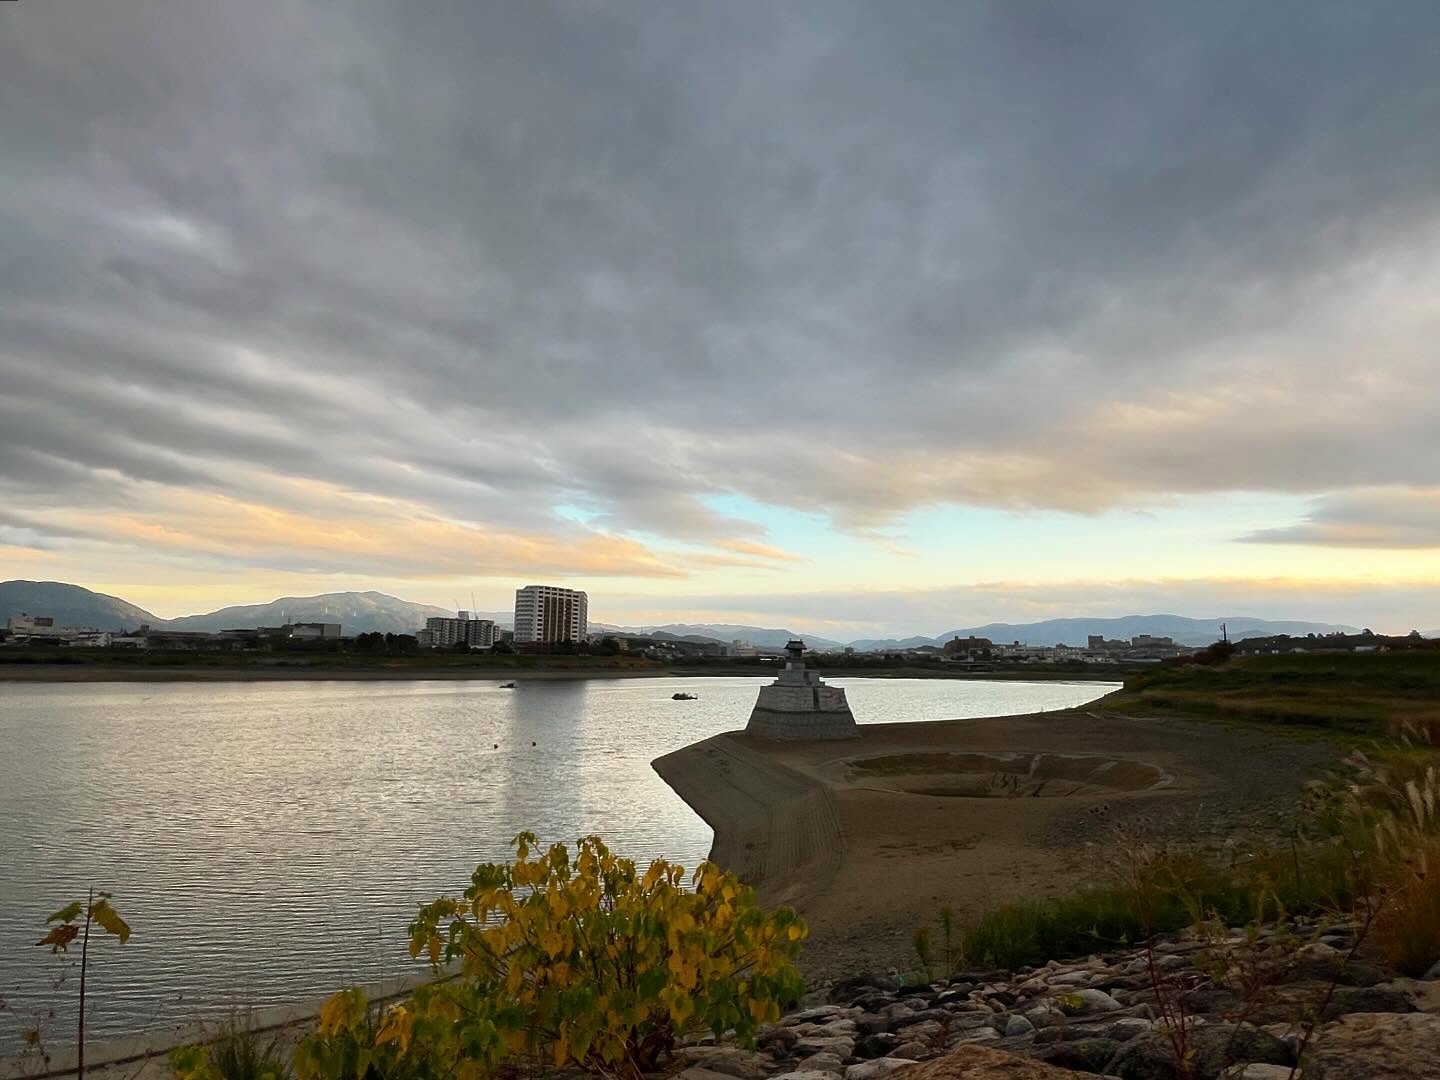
column 1075, row 631
column 72, row 606
column 365, row 612
column 356, row 612
column 765, row 638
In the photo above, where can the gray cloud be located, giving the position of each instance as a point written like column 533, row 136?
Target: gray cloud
column 1395, row 518
column 498, row 258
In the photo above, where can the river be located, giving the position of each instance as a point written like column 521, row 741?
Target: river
column 269, row 842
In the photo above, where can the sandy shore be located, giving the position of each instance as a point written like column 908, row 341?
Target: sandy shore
column 869, row 838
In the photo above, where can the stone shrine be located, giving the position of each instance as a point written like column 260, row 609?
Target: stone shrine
column 798, row 705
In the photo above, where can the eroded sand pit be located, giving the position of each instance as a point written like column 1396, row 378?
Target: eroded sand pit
column 1004, row 775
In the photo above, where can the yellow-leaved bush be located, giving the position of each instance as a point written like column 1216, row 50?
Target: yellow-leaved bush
column 585, row 962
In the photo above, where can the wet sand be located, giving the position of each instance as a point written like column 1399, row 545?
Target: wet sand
column 871, row 837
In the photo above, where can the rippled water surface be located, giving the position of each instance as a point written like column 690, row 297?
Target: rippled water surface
column 270, row 841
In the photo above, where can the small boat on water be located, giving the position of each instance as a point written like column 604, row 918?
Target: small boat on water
column 682, row 696
column 507, row 686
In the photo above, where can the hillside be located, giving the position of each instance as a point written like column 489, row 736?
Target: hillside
column 71, row 605
column 356, row 612
column 1184, row 630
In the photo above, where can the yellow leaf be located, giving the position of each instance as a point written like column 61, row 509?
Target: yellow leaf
column 342, row 1010
column 396, row 1028
column 110, row 920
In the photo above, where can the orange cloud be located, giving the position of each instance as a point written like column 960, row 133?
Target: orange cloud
column 367, row 536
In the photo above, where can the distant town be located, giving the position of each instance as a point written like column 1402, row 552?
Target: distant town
column 554, row 620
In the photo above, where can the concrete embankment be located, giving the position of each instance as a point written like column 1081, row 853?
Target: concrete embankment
column 774, row 826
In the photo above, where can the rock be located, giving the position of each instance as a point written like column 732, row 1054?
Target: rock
column 1084, row 1002
column 1311, row 963
column 698, row 1072
column 802, row 1074
column 1127, row 1028
column 1080, row 1055
column 981, row 1063
column 844, row 1027
column 1256, row 1070
column 839, row 1045
column 877, row 1045
column 778, row 1039
column 1434, row 972
column 898, row 1009
column 920, row 990
column 729, row 1061
column 873, row 1003
column 1017, row 1025
column 827, row 1063
column 1366, row 999
column 1045, row 1016
column 980, row 978
column 846, row 990
column 872, row 1070
column 911, row 1051
column 872, row 1025
column 925, row 1032
column 1216, row 1047
column 1376, row 1046
column 821, row 1014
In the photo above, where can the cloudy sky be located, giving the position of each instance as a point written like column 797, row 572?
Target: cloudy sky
column 864, row 318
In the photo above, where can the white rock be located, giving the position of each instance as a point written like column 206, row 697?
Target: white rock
column 804, row 1074
column 1016, row 1026
column 828, row 1063
column 872, row 1070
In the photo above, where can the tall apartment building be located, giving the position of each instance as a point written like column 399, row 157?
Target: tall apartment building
column 477, row 633
column 546, row 614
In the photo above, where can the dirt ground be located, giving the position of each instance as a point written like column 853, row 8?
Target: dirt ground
column 973, row 813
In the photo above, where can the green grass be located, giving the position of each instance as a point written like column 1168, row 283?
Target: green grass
column 1345, row 694
column 1169, row 894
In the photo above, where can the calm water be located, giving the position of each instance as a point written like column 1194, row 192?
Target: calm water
column 269, row 842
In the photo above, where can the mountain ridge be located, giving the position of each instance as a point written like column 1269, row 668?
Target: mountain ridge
column 1075, row 630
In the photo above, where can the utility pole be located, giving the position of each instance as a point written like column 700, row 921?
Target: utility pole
column 1224, row 633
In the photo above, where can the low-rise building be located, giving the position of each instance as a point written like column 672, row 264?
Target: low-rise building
column 313, row 631
column 442, row 633
column 969, row 648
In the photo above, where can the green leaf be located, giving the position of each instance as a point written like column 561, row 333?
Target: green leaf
column 110, row 920
column 68, row 914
